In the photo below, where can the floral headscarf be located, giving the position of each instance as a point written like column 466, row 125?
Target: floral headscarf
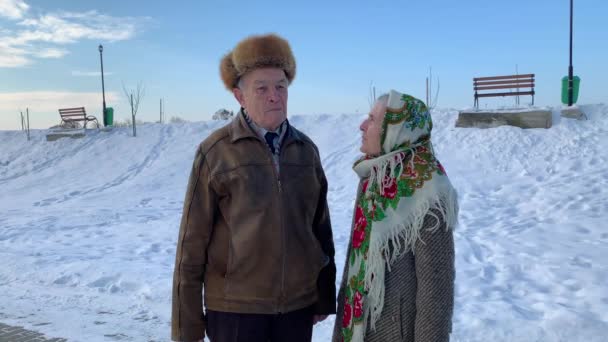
column 399, row 188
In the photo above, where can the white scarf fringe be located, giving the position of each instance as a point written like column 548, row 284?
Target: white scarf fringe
column 401, row 228
column 403, row 236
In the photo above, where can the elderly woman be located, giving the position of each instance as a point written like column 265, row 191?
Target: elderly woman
column 398, row 282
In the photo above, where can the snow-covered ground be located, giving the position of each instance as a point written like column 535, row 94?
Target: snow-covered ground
column 88, row 226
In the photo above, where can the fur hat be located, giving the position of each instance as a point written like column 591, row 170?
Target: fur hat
column 257, row 52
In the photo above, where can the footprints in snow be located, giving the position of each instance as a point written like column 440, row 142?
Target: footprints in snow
column 144, row 202
column 52, row 200
column 68, row 280
column 131, row 172
column 580, row 261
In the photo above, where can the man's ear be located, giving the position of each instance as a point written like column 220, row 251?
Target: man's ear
column 238, row 95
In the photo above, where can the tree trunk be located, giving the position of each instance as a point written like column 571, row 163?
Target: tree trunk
column 133, row 117
column 27, row 110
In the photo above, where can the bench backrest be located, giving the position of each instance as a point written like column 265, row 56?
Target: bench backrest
column 73, row 113
column 503, row 82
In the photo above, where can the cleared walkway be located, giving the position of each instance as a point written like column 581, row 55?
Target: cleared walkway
column 18, row 334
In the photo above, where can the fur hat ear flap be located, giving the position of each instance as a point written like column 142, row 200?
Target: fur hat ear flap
column 257, row 52
column 228, row 71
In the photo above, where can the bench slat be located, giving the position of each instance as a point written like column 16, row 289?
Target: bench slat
column 529, row 85
column 502, row 77
column 73, row 115
column 71, row 111
column 79, row 119
column 507, row 94
column 487, row 83
column 71, row 108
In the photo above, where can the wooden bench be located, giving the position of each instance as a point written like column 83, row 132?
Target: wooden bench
column 73, row 115
column 516, row 82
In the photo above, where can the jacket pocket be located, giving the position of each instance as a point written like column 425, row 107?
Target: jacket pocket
column 301, row 191
column 304, row 260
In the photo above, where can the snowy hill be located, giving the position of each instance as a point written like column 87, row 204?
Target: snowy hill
column 88, row 226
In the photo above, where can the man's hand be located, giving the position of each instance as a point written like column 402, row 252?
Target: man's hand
column 318, row 318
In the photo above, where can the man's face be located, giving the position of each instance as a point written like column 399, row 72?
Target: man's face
column 371, row 128
column 263, row 94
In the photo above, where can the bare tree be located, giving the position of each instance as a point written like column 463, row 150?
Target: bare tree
column 25, row 122
column 431, row 102
column 372, row 94
column 22, row 120
column 134, row 97
column 27, row 110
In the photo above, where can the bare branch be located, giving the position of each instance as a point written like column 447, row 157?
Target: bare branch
column 434, row 101
column 372, row 94
column 134, row 96
column 138, row 96
column 431, row 101
column 126, row 92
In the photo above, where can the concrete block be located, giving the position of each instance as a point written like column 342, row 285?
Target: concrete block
column 55, row 136
column 573, row 112
column 523, row 119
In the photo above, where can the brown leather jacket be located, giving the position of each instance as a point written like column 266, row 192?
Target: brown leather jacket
column 258, row 241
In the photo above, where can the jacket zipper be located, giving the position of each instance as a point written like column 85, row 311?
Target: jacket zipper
column 280, row 307
column 282, row 297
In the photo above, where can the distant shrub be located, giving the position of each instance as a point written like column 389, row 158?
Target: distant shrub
column 123, row 123
column 177, row 119
column 223, row 114
column 126, row 123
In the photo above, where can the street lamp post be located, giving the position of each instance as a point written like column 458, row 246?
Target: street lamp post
column 570, row 111
column 570, row 71
column 103, row 90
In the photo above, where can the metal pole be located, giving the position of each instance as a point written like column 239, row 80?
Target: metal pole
column 103, row 89
column 430, row 87
column 27, row 110
column 133, row 115
column 570, row 69
column 427, row 92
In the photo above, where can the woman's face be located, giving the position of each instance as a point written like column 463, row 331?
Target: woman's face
column 371, row 129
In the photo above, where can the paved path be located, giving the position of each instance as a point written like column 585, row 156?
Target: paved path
column 18, row 334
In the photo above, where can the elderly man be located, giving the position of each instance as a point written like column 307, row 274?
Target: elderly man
column 255, row 233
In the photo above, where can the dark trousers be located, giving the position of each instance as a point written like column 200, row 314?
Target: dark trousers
column 295, row 326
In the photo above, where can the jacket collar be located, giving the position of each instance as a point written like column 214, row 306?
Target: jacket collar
column 240, row 129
